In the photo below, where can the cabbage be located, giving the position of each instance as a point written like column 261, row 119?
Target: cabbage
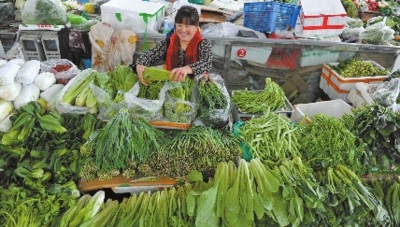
column 10, row 92
column 45, row 80
column 5, row 109
column 28, row 93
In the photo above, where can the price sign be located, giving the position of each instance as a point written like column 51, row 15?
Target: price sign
column 241, row 52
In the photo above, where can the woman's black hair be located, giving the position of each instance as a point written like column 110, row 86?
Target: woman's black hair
column 187, row 15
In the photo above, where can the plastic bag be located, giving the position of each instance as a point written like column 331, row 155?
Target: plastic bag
column 66, row 107
column 8, row 72
column 63, row 69
column 122, row 48
column 353, row 22
column 100, row 35
column 224, row 29
column 352, row 35
column 44, row 12
column 217, row 118
column 171, row 104
column 150, row 110
column 387, row 92
column 377, row 33
column 28, row 72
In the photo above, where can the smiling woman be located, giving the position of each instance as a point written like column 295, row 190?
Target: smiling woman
column 185, row 52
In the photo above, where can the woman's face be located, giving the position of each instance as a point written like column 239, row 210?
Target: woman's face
column 185, row 32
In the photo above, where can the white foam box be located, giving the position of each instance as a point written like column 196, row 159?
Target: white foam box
column 138, row 16
column 322, row 17
column 254, row 54
column 335, row 108
column 338, row 87
column 311, row 56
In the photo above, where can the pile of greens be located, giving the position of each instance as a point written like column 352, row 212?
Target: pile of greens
column 379, row 128
column 200, row 148
column 43, row 147
column 272, row 97
column 326, row 141
column 121, row 141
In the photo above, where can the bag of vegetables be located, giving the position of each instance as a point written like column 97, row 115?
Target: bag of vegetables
column 50, row 12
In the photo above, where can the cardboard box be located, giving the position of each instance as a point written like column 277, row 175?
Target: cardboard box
column 138, row 16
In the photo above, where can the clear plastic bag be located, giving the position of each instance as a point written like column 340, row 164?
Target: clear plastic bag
column 377, row 33
column 63, row 69
column 387, row 92
column 224, row 29
column 44, row 12
column 173, row 106
column 352, row 34
column 216, row 118
column 148, row 109
column 66, row 107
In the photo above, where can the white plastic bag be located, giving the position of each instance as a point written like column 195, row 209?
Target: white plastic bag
column 62, row 77
column 50, row 12
column 29, row 92
column 8, row 73
column 28, row 72
column 100, row 35
column 10, row 92
column 45, row 80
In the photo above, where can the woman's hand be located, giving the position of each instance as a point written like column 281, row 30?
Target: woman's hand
column 140, row 69
column 179, row 74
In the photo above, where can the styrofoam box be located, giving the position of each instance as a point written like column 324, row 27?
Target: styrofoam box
column 338, row 87
column 254, row 54
column 335, row 108
column 131, row 14
column 322, row 17
column 311, row 56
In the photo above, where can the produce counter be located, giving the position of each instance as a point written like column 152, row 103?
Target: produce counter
column 294, row 64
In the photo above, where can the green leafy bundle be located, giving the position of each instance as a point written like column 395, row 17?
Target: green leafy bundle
column 123, row 79
column 121, row 141
column 270, row 137
column 272, row 97
column 379, row 128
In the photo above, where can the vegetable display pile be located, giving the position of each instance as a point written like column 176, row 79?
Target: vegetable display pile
column 270, row 137
column 112, row 84
column 379, row 128
column 177, row 106
column 272, row 97
column 387, row 190
column 247, row 194
column 327, row 142
column 122, row 140
column 357, row 68
column 43, row 148
column 151, row 91
column 200, row 148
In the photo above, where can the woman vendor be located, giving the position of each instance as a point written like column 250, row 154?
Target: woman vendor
column 185, row 52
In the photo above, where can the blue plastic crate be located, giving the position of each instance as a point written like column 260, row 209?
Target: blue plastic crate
column 270, row 16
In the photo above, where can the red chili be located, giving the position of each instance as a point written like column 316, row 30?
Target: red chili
column 62, row 68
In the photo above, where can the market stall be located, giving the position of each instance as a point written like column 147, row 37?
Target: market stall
column 285, row 130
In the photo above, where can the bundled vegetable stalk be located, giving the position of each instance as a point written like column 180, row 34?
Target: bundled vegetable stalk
column 357, row 68
column 177, row 106
column 214, row 103
column 272, row 97
column 348, row 201
column 151, row 91
column 155, row 74
column 387, row 190
column 123, row 79
column 200, row 148
column 270, row 137
column 327, row 142
column 121, row 141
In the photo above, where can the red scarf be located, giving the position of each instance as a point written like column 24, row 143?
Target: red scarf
column 172, row 57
